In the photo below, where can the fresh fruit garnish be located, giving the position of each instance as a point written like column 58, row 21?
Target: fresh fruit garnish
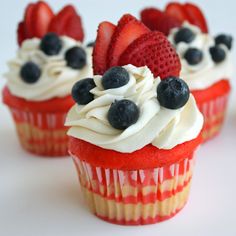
column 155, row 51
column 104, row 34
column 30, row 72
column 127, row 30
column 224, row 39
column 217, row 54
column 81, row 91
column 156, row 19
column 184, row 35
column 188, row 12
column 172, row 93
column 193, row 56
column 76, row 57
column 123, row 114
column 51, row 44
column 67, row 22
column 115, row 77
column 39, row 19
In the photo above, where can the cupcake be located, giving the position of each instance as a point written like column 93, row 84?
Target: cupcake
column 132, row 136
column 41, row 76
column 206, row 63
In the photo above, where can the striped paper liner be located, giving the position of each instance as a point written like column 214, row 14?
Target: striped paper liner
column 136, row 197
column 214, row 112
column 41, row 133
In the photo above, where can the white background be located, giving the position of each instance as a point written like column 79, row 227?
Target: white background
column 41, row 196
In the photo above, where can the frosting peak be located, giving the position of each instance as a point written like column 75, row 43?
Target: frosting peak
column 163, row 128
column 56, row 78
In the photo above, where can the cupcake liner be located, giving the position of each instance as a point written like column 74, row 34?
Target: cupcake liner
column 214, row 112
column 41, row 133
column 136, row 197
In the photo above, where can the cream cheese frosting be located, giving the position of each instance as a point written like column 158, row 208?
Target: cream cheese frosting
column 159, row 126
column 207, row 72
column 56, row 78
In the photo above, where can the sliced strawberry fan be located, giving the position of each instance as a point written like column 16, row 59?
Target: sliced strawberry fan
column 131, row 42
column 39, row 19
column 173, row 16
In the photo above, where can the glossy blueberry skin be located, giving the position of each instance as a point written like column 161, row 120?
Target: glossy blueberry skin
column 123, row 114
column 184, row 35
column 76, row 57
column 193, row 56
column 51, row 44
column 225, row 39
column 81, row 91
column 115, row 77
column 30, row 72
column 172, row 93
column 217, row 54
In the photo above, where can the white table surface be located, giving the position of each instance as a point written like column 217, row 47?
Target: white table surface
column 41, row 196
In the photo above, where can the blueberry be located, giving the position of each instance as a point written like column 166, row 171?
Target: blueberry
column 76, row 57
column 193, row 56
column 123, row 114
column 184, row 35
column 81, row 91
column 172, row 93
column 115, row 77
column 91, row 44
column 51, row 44
column 217, row 54
column 224, row 39
column 30, row 72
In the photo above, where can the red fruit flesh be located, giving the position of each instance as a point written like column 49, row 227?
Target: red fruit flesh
column 42, row 15
column 155, row 51
column 176, row 10
column 28, row 26
column 155, row 19
column 104, row 35
column 196, row 16
column 123, row 36
column 21, row 33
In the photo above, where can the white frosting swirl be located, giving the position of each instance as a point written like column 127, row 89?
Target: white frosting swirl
column 162, row 127
column 207, row 72
column 56, row 78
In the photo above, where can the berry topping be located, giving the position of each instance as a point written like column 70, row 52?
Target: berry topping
column 123, row 114
column 67, row 22
column 155, row 51
column 104, row 34
column 76, row 57
column 127, row 30
column 187, row 12
column 91, row 44
column 51, row 44
column 81, row 91
column 224, row 39
column 115, row 77
column 217, row 54
column 172, row 93
column 158, row 20
column 193, row 56
column 30, row 72
column 184, row 35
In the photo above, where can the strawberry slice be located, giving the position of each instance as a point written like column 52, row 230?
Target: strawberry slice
column 176, row 10
column 21, row 33
column 104, row 35
column 155, row 51
column 155, row 19
column 28, row 26
column 68, row 22
column 196, row 16
column 124, row 35
column 42, row 15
